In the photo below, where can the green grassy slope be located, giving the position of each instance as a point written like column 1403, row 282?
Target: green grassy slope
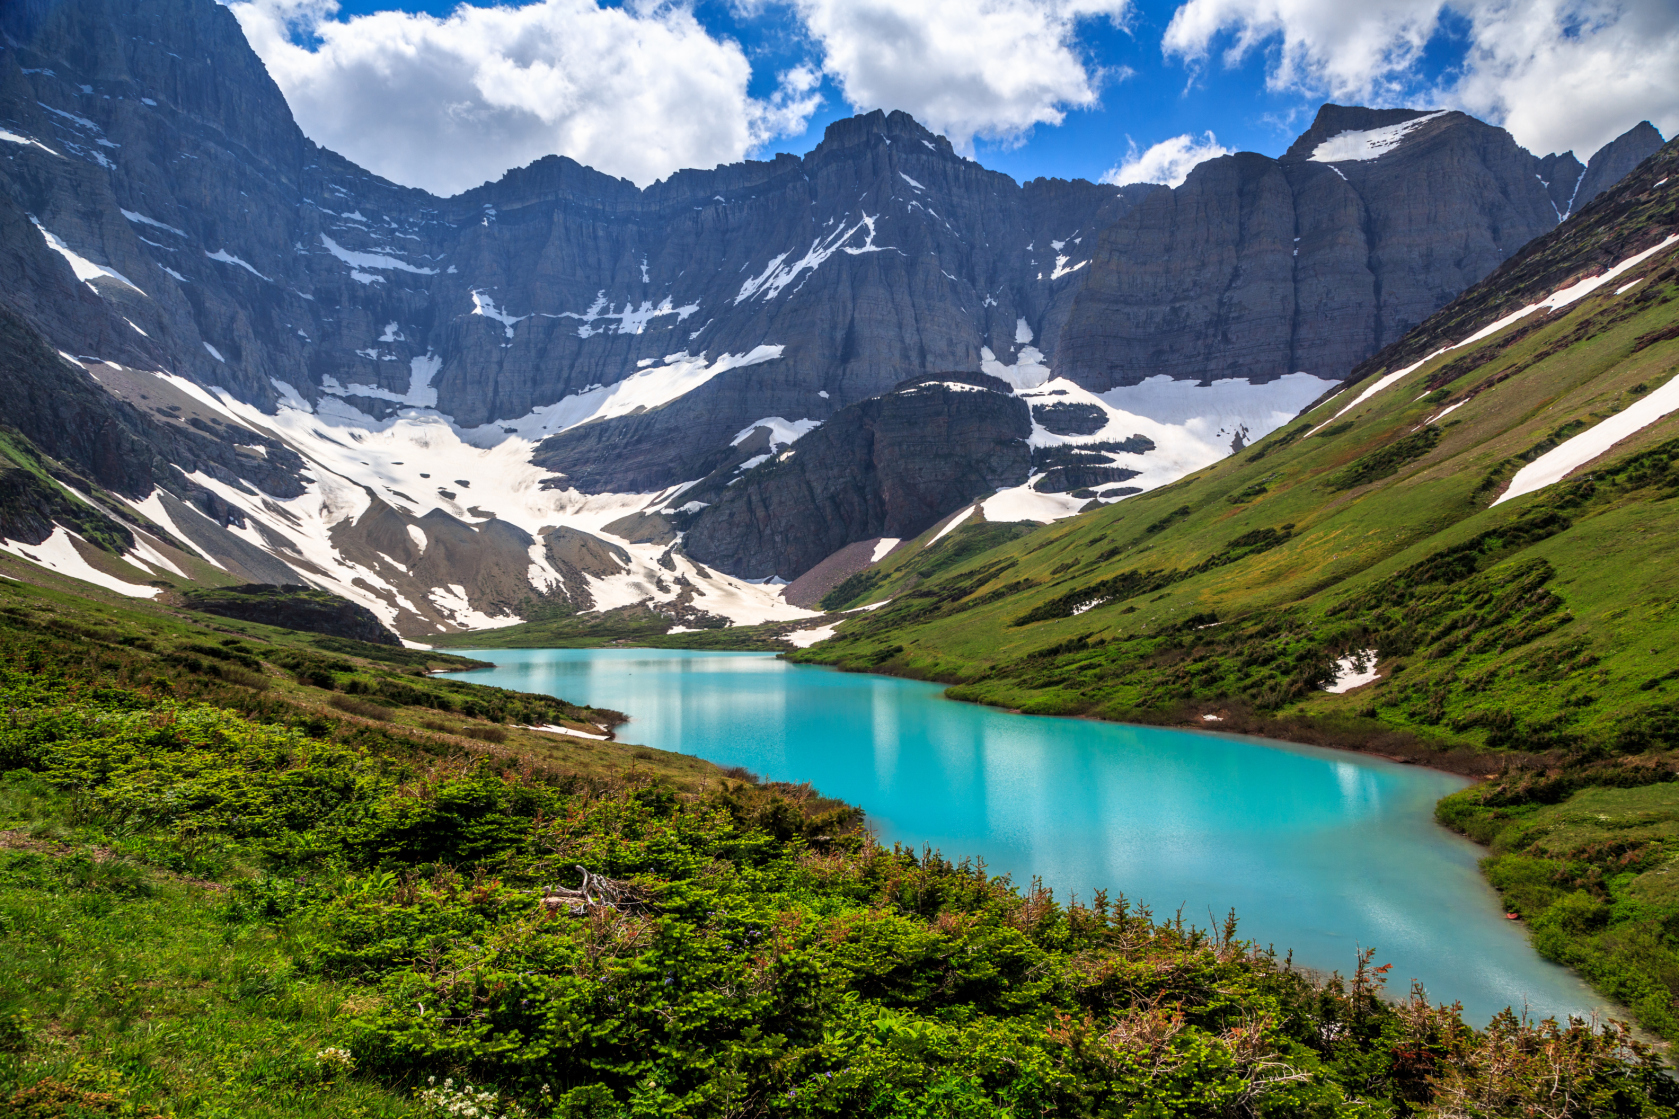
column 1545, row 621
column 212, row 910
column 1531, row 642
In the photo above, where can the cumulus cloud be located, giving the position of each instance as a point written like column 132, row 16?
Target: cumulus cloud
column 1168, row 162
column 447, row 103
column 966, row 68
column 1573, row 75
column 1558, row 73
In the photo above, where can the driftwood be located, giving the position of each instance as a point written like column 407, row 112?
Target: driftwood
column 597, row 892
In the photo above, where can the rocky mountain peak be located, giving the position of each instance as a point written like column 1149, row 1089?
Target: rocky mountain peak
column 1615, row 160
column 298, row 347
column 1333, row 120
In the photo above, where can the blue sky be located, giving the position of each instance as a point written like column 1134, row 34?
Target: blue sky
column 481, row 94
column 1157, row 100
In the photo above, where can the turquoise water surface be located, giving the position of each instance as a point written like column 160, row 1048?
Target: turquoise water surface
column 1318, row 851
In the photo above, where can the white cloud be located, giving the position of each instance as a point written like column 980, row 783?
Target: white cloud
column 1573, row 75
column 966, row 68
column 1169, row 161
column 1559, row 74
column 447, row 103
column 1351, row 51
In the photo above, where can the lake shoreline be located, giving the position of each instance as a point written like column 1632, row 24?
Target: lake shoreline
column 1355, row 735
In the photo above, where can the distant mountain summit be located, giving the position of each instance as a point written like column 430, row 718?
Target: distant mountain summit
column 309, row 361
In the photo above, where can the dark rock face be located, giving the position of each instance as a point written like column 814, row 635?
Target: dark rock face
column 1258, row 267
column 72, row 416
column 1614, row 161
column 880, row 254
column 890, row 466
column 1561, row 176
column 1070, row 419
column 293, row 606
column 1066, row 479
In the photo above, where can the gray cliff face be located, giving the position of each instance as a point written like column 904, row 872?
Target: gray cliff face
column 264, row 260
column 888, row 466
column 1258, row 267
column 1614, row 161
column 161, row 213
column 255, row 259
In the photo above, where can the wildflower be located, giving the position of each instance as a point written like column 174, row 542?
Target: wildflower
column 335, row 1061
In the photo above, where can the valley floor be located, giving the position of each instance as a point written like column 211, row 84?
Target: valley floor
column 242, row 873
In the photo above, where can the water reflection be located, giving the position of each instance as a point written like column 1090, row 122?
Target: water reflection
column 1317, row 851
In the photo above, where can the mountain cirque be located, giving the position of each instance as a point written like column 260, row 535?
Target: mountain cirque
column 317, row 375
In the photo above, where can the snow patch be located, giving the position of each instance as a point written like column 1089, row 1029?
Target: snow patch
column 1562, row 297
column 451, row 601
column 776, row 275
column 552, row 728
column 372, row 260
column 632, row 319
column 86, row 271
column 1373, row 143
column 882, row 546
column 228, row 258
column 215, row 353
column 482, row 304
column 14, row 138
column 647, row 388
column 1354, row 671
column 782, row 432
column 142, row 219
column 1028, row 370
column 1023, row 503
column 805, row 638
column 1557, row 463
column 58, row 553
column 951, row 525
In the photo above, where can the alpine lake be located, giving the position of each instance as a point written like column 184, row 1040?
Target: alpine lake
column 1319, row 852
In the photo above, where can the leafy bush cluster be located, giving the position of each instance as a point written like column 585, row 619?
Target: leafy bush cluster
column 763, row 956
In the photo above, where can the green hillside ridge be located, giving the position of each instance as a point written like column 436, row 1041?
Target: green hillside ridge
column 1310, row 547
column 1531, row 641
column 223, row 895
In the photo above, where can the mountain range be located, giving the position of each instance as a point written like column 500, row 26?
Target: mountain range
column 236, row 357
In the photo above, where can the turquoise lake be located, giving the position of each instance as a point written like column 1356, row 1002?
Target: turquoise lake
column 1318, row 851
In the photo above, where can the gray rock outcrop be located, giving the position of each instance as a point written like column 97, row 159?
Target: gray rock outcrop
column 890, row 466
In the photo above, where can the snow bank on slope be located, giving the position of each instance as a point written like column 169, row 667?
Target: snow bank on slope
column 645, row 389
column 1557, row 463
column 372, row 260
column 1191, row 425
column 1562, row 297
column 1028, row 370
column 805, row 638
column 26, row 141
column 782, row 432
column 352, row 457
column 85, row 270
column 58, row 553
column 1023, row 503
column 777, row 275
column 1354, row 671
